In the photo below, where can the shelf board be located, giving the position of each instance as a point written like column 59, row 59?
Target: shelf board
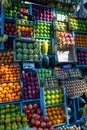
column 31, row 100
column 25, row 39
column 79, row 32
column 55, row 105
column 13, row 36
column 43, row 21
column 9, row 102
column 10, row 19
column 81, row 66
column 38, row 37
column 77, row 96
column 62, row 124
column 81, row 47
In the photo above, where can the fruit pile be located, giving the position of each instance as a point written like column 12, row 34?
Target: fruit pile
column 11, row 118
column 42, row 13
column 43, row 73
column 9, row 72
column 27, row 51
column 24, row 31
column 74, row 127
column 75, row 87
column 9, row 44
column 82, row 57
column 35, row 120
column 43, row 29
column 31, row 85
column 49, row 44
column 10, row 91
column 61, row 74
column 64, row 38
column 75, row 72
column 80, row 40
column 77, row 24
column 53, row 96
column 6, row 56
column 62, row 26
column 50, row 82
column 24, row 22
column 9, row 28
column 56, row 115
column 15, row 7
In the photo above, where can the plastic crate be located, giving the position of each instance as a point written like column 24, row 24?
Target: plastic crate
column 31, row 83
column 28, row 59
column 43, row 102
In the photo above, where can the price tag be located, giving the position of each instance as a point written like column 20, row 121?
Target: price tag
column 28, row 66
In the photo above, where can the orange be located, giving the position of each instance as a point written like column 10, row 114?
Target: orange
column 10, row 91
column 23, row 28
column 53, row 112
column 19, row 27
column 54, row 122
column 17, row 98
column 49, row 114
column 19, row 93
column 58, row 121
column 1, row 89
column 51, row 118
column 55, row 117
column 10, row 84
column 1, row 100
column 13, row 94
column 18, row 87
column 59, row 117
column 27, row 28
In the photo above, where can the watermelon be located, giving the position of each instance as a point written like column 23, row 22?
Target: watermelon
column 25, row 57
column 30, row 46
column 24, row 45
column 25, row 51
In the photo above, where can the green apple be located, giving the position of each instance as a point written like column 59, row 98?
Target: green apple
column 48, row 102
column 52, row 92
column 48, row 92
column 52, row 97
column 48, row 97
column 56, row 101
column 57, row 96
column 52, row 102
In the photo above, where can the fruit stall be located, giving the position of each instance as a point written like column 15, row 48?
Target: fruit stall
column 43, row 66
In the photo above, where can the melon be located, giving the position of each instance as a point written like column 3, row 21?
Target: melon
column 24, row 45
column 36, row 45
column 18, row 44
column 31, row 57
column 30, row 46
column 36, row 51
column 35, row 57
column 19, row 56
column 19, row 50
column 30, row 52
column 25, row 57
column 25, row 51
